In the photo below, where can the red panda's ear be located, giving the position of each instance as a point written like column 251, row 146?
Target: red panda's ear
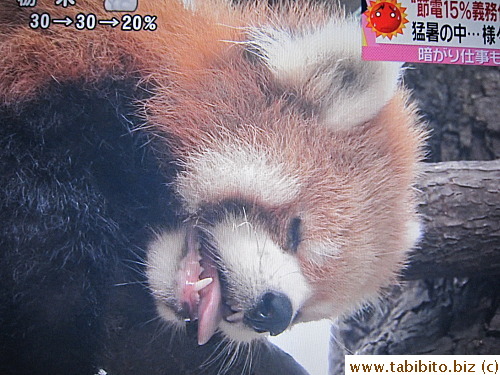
column 323, row 66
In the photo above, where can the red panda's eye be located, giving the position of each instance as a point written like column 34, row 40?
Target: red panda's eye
column 294, row 234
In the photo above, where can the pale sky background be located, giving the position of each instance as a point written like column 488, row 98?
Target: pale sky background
column 308, row 344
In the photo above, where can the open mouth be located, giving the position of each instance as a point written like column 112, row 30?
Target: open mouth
column 203, row 288
column 199, row 290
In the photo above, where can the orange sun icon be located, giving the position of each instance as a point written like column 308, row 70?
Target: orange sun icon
column 386, row 17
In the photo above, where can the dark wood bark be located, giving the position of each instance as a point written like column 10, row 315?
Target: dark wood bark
column 437, row 316
column 461, row 214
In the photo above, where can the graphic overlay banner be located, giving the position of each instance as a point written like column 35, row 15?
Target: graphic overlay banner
column 422, row 364
column 465, row 32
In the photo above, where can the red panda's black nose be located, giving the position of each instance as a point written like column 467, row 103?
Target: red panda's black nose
column 272, row 314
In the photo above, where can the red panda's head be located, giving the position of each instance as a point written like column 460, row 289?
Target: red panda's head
column 297, row 161
column 294, row 159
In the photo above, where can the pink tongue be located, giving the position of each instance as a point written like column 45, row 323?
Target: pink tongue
column 210, row 307
column 206, row 304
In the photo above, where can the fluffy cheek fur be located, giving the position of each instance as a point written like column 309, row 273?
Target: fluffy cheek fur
column 164, row 256
column 348, row 270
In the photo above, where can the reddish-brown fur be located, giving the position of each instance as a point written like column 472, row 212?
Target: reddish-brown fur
column 207, row 93
column 30, row 59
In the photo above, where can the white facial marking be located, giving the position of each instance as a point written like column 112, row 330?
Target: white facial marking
column 164, row 255
column 254, row 264
column 236, row 171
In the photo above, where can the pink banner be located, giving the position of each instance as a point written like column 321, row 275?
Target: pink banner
column 402, row 30
column 432, row 54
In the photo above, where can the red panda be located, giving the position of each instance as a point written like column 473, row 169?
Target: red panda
column 295, row 158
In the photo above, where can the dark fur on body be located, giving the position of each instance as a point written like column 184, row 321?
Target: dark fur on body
column 75, row 200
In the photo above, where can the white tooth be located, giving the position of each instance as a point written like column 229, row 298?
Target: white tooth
column 233, row 306
column 236, row 317
column 200, row 284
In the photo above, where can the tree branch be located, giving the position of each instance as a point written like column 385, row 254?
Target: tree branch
column 461, row 214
